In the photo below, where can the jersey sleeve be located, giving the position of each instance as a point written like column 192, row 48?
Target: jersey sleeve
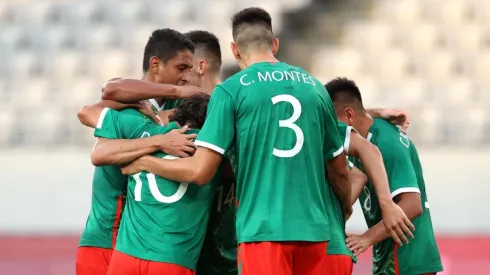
column 219, row 129
column 401, row 174
column 113, row 124
column 332, row 143
column 345, row 132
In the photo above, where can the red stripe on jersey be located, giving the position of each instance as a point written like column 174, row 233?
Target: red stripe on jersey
column 236, row 203
column 117, row 220
column 395, row 260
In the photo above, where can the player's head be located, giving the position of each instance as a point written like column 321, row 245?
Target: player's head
column 346, row 99
column 192, row 111
column 207, row 56
column 252, row 34
column 168, row 57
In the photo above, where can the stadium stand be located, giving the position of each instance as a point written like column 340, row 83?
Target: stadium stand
column 419, row 55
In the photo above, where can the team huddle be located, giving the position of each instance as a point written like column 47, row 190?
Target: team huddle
column 255, row 175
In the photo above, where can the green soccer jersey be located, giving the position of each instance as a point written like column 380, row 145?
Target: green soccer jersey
column 219, row 251
column 278, row 116
column 108, row 197
column 404, row 171
column 156, row 223
column 336, row 245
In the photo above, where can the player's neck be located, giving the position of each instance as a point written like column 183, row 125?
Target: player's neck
column 259, row 57
column 147, row 77
column 363, row 124
column 209, row 82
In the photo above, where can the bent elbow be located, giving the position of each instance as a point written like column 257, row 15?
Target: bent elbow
column 82, row 115
column 96, row 158
column 99, row 157
column 200, row 176
column 417, row 211
column 200, row 179
column 110, row 89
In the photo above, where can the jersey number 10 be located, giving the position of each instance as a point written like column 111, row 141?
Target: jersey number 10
column 152, row 183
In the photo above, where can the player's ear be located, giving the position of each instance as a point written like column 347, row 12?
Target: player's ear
column 155, row 64
column 235, row 51
column 275, row 45
column 349, row 115
column 203, row 66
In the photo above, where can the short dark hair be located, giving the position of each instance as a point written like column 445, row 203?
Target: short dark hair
column 165, row 44
column 209, row 44
column 192, row 111
column 344, row 91
column 252, row 25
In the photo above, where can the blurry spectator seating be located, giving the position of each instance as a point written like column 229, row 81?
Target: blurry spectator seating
column 430, row 57
column 56, row 54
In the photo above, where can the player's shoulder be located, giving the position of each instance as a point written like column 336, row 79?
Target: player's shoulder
column 386, row 129
column 233, row 82
column 390, row 137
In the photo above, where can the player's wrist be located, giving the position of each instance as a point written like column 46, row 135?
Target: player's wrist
column 385, row 203
column 369, row 238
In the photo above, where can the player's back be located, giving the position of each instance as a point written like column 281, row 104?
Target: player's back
column 421, row 254
column 164, row 221
column 279, row 113
column 108, row 197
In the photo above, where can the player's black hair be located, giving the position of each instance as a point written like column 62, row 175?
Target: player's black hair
column 252, row 26
column 192, row 111
column 165, row 44
column 344, row 91
column 208, row 43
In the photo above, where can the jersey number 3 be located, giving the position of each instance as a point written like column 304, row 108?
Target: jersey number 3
column 155, row 192
column 289, row 123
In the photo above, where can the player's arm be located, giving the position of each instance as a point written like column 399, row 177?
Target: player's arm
column 133, row 90
column 121, row 152
column 198, row 169
column 119, row 142
column 336, row 163
column 395, row 116
column 89, row 114
column 358, row 180
column 404, row 191
column 396, row 222
column 215, row 137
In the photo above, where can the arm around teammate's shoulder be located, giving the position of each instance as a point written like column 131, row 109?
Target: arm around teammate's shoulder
column 133, row 90
column 199, row 169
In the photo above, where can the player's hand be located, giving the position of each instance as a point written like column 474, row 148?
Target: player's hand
column 133, row 168
column 357, row 243
column 146, row 108
column 188, row 91
column 397, row 117
column 396, row 223
column 177, row 143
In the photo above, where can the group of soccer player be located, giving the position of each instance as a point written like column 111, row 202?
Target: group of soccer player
column 257, row 179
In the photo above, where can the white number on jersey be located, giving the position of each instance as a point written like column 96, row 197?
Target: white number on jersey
column 152, row 183
column 230, row 197
column 289, row 123
column 367, row 202
column 404, row 139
